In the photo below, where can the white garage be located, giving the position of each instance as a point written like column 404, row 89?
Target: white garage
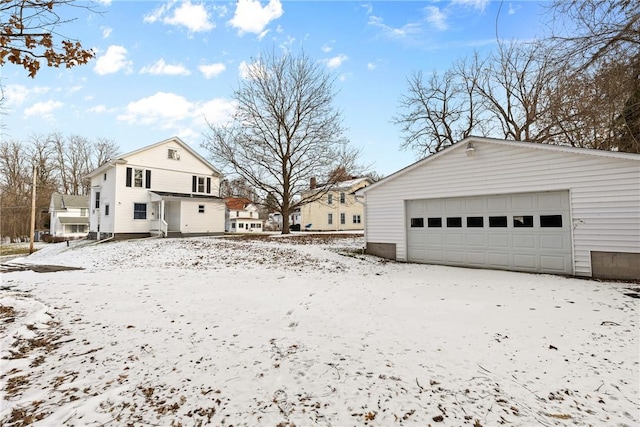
column 519, row 206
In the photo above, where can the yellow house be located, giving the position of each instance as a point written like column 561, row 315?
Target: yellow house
column 337, row 209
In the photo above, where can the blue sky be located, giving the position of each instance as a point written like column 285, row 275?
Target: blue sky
column 161, row 68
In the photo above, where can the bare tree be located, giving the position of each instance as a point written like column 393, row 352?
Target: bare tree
column 28, row 34
column 599, row 43
column 15, row 185
column 437, row 112
column 285, row 130
column 103, row 150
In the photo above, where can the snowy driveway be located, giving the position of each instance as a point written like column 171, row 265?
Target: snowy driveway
column 280, row 331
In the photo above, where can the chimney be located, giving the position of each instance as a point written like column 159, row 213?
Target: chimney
column 312, row 183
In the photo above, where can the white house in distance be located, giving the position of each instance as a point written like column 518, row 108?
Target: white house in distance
column 69, row 216
column 510, row 205
column 242, row 216
column 165, row 189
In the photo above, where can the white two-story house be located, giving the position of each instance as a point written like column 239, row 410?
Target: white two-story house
column 166, row 189
column 69, row 216
column 242, row 216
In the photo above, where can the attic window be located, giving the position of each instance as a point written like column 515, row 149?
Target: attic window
column 173, row 154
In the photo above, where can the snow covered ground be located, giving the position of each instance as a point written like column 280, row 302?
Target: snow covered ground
column 299, row 331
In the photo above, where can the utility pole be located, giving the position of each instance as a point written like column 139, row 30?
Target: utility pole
column 33, row 210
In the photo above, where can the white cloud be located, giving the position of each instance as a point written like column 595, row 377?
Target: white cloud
column 251, row 17
column 436, row 17
column 162, row 68
column 512, row 9
column 212, row 70
column 406, row 30
column 98, row 109
column 16, row 95
column 43, row 109
column 114, row 60
column 475, row 4
column 106, row 32
column 326, row 48
column 172, row 111
column 336, row 61
column 194, row 17
column 371, row 66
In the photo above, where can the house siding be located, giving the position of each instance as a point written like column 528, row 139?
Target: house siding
column 604, row 193
column 191, row 219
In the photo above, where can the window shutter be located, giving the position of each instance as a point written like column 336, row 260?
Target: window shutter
column 147, row 179
column 194, row 184
column 129, row 174
column 208, row 185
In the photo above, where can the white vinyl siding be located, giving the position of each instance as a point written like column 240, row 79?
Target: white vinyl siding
column 604, row 192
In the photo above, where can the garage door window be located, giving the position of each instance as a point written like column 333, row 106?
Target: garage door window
column 454, row 222
column 434, row 222
column 497, row 221
column 417, row 222
column 523, row 221
column 475, row 222
column 550, row 220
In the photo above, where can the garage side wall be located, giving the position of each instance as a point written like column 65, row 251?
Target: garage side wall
column 604, row 192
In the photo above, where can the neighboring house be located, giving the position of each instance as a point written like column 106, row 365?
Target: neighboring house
column 275, row 220
column 165, row 189
column 337, row 209
column 69, row 216
column 242, row 216
column 510, row 205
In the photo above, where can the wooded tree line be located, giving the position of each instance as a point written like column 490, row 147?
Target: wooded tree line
column 579, row 87
column 61, row 163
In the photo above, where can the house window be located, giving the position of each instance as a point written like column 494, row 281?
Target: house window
column 434, row 222
column 241, row 225
column 97, row 205
column 342, row 198
column 105, row 177
column 137, row 178
column 330, row 199
column 417, row 222
column 550, row 221
column 78, row 228
column 497, row 221
column 173, row 154
column 106, row 210
column 233, row 225
column 139, row 211
column 356, row 219
column 523, row 221
column 330, row 219
column 454, row 222
column 475, row 222
column 200, row 208
column 84, row 211
column 343, row 218
column 200, row 184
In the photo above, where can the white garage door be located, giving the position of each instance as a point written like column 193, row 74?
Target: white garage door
column 520, row 232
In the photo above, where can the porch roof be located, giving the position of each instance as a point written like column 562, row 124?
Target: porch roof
column 73, row 219
column 167, row 194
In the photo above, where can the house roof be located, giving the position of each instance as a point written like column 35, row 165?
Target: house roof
column 175, row 139
column 344, row 185
column 237, row 203
column 69, row 201
column 73, row 220
column 463, row 145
